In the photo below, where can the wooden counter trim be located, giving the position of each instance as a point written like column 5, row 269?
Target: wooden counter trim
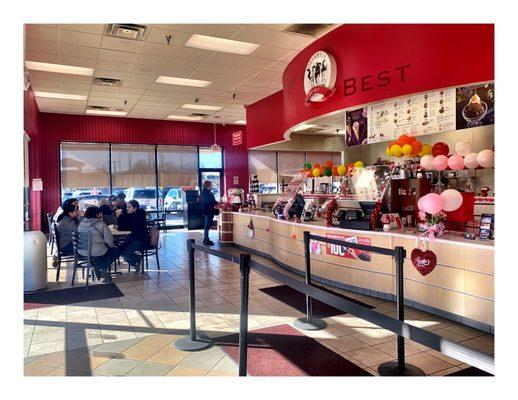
column 489, row 245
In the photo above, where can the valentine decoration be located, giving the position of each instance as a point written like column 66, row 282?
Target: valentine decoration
column 375, row 215
column 423, row 261
column 452, row 199
column 463, row 148
column 432, row 203
column 329, row 208
column 432, row 222
column 456, row 162
column 440, row 149
column 440, row 162
column 427, row 149
column 486, row 158
column 470, row 161
column 427, row 161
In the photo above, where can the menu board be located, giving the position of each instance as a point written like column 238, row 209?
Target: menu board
column 421, row 114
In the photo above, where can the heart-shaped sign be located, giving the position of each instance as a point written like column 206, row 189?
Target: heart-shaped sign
column 424, row 261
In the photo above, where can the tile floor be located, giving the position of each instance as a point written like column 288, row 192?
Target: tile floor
column 133, row 335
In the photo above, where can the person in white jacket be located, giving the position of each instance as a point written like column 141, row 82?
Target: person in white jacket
column 103, row 251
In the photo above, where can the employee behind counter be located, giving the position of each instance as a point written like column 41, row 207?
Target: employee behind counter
column 296, row 209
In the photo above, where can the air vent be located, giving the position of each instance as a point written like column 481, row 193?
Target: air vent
column 198, row 115
column 308, row 29
column 127, row 31
column 107, row 82
column 103, row 108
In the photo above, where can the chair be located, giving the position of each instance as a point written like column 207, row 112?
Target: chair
column 50, row 239
column 151, row 248
column 82, row 241
column 59, row 253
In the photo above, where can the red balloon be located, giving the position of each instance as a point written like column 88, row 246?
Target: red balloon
column 440, row 149
column 417, row 146
column 404, row 139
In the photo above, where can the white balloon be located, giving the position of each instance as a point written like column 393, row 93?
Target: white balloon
column 427, row 162
column 452, row 199
column 470, row 161
column 486, row 158
column 463, row 148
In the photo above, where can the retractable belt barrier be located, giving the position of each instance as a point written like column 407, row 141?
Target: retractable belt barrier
column 404, row 330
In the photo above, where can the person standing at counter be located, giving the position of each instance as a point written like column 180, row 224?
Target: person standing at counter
column 208, row 202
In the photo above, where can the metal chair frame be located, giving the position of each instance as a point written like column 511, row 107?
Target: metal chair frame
column 59, row 253
column 82, row 261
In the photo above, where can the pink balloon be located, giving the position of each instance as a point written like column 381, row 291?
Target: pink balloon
column 470, row 161
column 440, row 163
column 456, row 162
column 431, row 203
column 427, row 162
column 486, row 158
column 452, row 199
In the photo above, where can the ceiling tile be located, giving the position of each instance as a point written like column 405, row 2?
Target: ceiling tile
column 112, row 66
column 271, row 53
column 253, row 34
column 276, row 27
column 112, row 43
column 218, row 30
column 43, row 46
column 290, row 40
column 78, row 51
column 89, row 28
column 253, row 62
column 33, row 31
column 114, row 55
column 157, row 35
column 80, row 38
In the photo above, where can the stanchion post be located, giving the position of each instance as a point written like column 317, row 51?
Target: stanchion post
column 244, row 267
column 400, row 368
column 192, row 342
column 309, row 323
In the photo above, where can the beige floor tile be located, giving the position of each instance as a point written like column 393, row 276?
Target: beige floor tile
column 450, row 335
column 86, row 363
column 449, row 360
column 391, row 348
column 428, row 363
column 32, row 369
column 477, row 345
column 446, row 371
column 139, row 352
column 369, row 356
column 346, row 343
column 160, row 340
column 465, row 331
column 168, row 355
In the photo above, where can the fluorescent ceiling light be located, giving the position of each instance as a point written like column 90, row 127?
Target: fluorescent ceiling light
column 303, row 127
column 184, row 117
column 241, row 121
column 171, row 80
column 219, row 44
column 201, row 107
column 113, row 113
column 58, row 68
column 341, row 132
column 64, row 96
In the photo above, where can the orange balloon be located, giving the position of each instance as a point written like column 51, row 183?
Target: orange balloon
column 404, row 139
column 417, row 146
column 335, row 170
column 316, row 165
column 322, row 170
column 329, row 163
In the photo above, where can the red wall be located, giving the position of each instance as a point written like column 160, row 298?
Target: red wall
column 439, row 55
column 32, row 126
column 62, row 127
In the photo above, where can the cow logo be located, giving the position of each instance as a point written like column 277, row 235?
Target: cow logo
column 319, row 77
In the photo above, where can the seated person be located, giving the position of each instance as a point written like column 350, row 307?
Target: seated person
column 109, row 217
column 120, row 202
column 67, row 223
column 112, row 202
column 134, row 220
column 103, row 251
column 60, row 209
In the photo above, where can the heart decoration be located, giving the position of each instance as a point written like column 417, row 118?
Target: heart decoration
column 424, row 261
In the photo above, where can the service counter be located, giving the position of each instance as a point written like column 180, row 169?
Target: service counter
column 461, row 287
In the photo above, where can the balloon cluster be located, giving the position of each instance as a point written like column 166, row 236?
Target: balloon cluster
column 407, row 146
column 432, row 203
column 328, row 169
column 463, row 158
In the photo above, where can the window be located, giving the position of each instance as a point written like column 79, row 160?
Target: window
column 210, row 159
column 134, row 173
column 290, row 162
column 264, row 165
column 85, row 172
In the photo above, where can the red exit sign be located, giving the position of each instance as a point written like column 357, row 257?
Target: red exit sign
column 237, row 138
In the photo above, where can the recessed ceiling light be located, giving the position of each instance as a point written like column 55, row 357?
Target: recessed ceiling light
column 219, row 44
column 303, row 126
column 201, row 107
column 340, row 131
column 184, row 117
column 241, row 122
column 171, row 80
column 114, row 113
column 58, row 68
column 64, row 96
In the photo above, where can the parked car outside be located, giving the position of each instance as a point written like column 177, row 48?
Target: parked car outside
column 89, row 200
column 173, row 200
column 146, row 196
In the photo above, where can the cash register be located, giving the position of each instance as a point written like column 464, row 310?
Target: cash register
column 359, row 219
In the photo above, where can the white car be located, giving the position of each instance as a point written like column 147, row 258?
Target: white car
column 173, row 200
column 146, row 196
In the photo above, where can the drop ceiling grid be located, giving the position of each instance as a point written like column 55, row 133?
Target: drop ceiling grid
column 251, row 77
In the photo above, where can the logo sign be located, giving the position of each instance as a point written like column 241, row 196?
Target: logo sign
column 319, row 77
column 237, row 138
column 347, row 252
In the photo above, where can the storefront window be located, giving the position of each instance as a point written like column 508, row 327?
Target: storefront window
column 85, row 172
column 134, row 173
column 264, row 165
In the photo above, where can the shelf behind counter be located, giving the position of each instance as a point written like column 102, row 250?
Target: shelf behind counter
column 459, row 288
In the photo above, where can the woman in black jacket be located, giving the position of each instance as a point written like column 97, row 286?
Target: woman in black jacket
column 134, row 220
column 208, row 202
